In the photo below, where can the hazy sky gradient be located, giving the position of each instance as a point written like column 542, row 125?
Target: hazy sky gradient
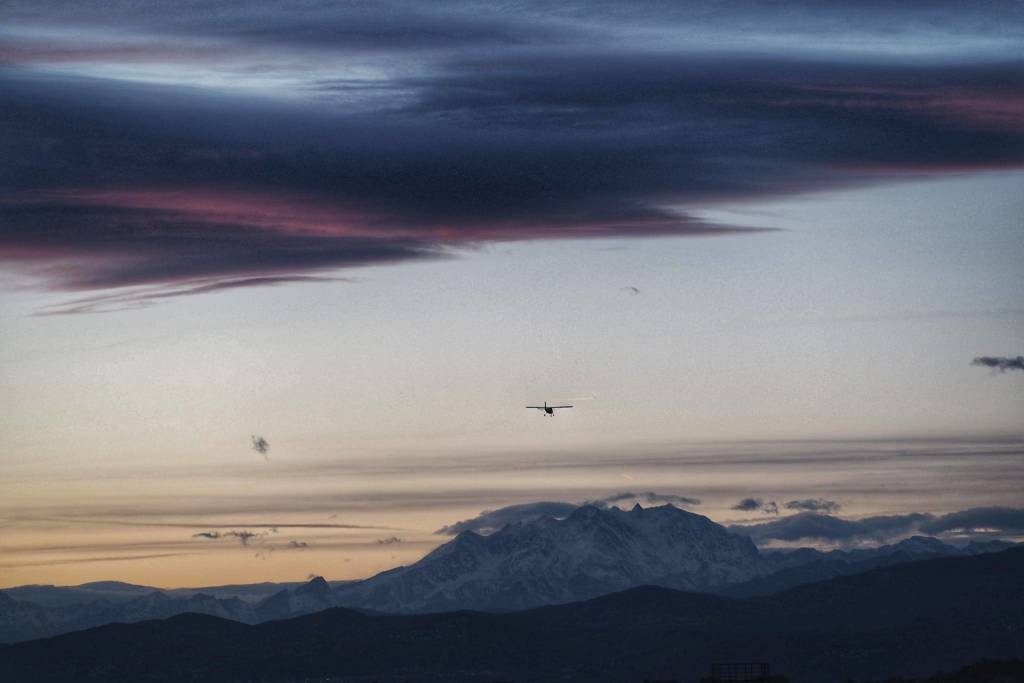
column 758, row 252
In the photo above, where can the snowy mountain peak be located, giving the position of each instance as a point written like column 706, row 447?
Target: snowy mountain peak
column 591, row 552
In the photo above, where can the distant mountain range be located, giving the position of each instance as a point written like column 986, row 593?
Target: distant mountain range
column 806, row 565
column 910, row 619
column 593, row 552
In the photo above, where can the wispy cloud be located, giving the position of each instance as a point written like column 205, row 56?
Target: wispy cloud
column 978, row 520
column 490, row 521
column 88, row 560
column 817, row 527
column 114, row 521
column 244, row 536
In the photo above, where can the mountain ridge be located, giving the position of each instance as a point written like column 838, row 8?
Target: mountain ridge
column 870, row 626
column 591, row 552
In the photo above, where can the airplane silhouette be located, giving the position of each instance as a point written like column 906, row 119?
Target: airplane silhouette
column 548, row 410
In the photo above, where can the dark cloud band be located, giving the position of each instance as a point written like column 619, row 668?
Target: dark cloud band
column 816, row 527
column 1000, row 363
column 509, row 127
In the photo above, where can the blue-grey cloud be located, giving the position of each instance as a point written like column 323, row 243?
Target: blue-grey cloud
column 814, row 505
column 403, row 26
column 978, row 520
column 1000, row 363
column 757, row 504
column 478, row 124
column 813, row 526
column 817, row 527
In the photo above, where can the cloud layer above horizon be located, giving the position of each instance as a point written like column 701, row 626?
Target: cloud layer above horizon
column 489, row 521
column 816, row 527
column 812, row 525
column 158, row 153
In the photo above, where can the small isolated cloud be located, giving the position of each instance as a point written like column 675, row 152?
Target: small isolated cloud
column 297, row 544
column 753, row 504
column 260, row 445
column 1000, row 363
column 243, row 536
column 814, row 505
column 390, row 540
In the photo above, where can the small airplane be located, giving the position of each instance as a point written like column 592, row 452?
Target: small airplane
column 548, row 410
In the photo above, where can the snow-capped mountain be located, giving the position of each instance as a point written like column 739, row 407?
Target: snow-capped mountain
column 591, row 552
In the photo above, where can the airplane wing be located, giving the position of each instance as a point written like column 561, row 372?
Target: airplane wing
column 559, row 406
column 539, row 407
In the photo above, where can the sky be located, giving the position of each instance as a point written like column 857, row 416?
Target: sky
column 756, row 245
